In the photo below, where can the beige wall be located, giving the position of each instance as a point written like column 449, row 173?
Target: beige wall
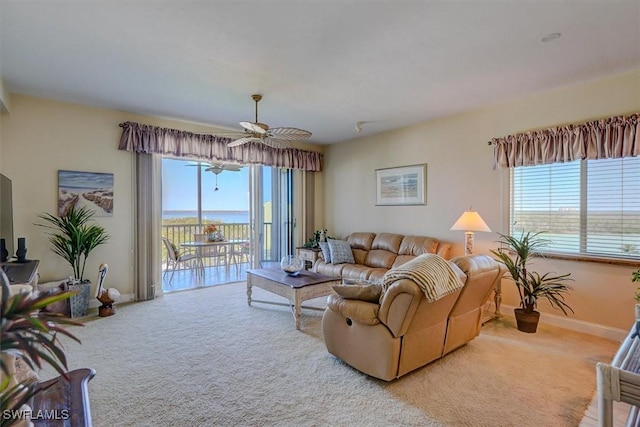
column 5, row 99
column 460, row 175
column 4, row 109
column 40, row 137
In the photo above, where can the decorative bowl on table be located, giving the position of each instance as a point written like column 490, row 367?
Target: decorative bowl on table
column 292, row 265
column 216, row 236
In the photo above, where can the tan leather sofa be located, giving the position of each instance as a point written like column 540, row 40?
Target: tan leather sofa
column 375, row 254
column 405, row 331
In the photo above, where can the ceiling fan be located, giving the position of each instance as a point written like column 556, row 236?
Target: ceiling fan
column 217, row 168
column 272, row 137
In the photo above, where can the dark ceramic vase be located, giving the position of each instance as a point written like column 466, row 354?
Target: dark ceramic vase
column 4, row 253
column 21, row 253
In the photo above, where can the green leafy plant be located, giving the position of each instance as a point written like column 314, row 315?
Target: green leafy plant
column 314, row 240
column 30, row 333
column 635, row 277
column 515, row 253
column 74, row 237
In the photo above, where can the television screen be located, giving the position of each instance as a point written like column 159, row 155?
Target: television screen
column 6, row 214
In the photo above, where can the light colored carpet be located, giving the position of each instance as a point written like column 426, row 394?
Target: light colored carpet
column 205, row 358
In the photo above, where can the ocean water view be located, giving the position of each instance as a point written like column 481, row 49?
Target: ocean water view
column 227, row 217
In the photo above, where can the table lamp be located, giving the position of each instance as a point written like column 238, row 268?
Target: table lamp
column 469, row 222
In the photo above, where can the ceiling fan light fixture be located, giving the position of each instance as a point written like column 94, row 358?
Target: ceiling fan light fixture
column 218, row 168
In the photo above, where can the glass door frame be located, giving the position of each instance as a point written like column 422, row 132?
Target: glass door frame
column 279, row 241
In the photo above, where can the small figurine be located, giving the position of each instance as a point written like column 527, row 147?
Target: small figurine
column 107, row 297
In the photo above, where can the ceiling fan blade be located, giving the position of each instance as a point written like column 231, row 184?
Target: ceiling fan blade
column 244, row 140
column 290, row 134
column 221, row 167
column 274, row 142
column 253, row 127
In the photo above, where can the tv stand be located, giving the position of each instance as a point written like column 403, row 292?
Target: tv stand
column 21, row 274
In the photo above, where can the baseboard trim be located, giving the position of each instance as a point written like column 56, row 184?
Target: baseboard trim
column 577, row 325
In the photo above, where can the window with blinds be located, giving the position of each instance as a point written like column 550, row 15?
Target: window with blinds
column 586, row 207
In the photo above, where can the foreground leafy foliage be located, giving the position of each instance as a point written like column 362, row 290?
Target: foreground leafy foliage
column 29, row 332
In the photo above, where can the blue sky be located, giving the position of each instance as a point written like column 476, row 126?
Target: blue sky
column 180, row 192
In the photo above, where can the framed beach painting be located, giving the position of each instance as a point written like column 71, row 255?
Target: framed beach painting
column 405, row 185
column 91, row 189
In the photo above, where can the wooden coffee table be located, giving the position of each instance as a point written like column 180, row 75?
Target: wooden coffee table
column 305, row 286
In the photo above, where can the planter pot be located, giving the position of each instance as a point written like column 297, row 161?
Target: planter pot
column 79, row 303
column 527, row 322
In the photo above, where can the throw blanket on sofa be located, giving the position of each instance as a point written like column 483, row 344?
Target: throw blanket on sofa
column 432, row 273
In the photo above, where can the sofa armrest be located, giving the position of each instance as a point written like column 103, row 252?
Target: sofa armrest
column 359, row 311
column 398, row 305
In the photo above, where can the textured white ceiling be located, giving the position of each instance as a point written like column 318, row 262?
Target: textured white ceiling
column 321, row 65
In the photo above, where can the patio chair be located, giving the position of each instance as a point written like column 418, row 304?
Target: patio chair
column 175, row 258
column 239, row 254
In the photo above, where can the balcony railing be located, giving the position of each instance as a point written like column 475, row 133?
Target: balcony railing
column 180, row 233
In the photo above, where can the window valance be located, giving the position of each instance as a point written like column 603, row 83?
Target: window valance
column 141, row 138
column 614, row 137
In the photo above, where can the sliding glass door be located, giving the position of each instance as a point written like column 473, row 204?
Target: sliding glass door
column 196, row 198
column 250, row 206
column 271, row 214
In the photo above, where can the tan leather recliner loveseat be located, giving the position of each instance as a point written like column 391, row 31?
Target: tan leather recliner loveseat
column 405, row 331
column 375, row 254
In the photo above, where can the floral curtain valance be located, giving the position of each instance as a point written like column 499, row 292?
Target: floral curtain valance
column 141, row 138
column 614, row 137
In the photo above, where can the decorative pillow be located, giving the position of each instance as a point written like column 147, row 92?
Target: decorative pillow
column 368, row 293
column 362, row 281
column 326, row 254
column 340, row 252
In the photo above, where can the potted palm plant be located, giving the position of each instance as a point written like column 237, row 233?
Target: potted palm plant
column 31, row 334
column 515, row 253
column 74, row 237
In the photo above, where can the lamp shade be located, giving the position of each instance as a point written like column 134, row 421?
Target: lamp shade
column 470, row 221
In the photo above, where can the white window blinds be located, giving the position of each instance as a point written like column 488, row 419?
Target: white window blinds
column 586, row 207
